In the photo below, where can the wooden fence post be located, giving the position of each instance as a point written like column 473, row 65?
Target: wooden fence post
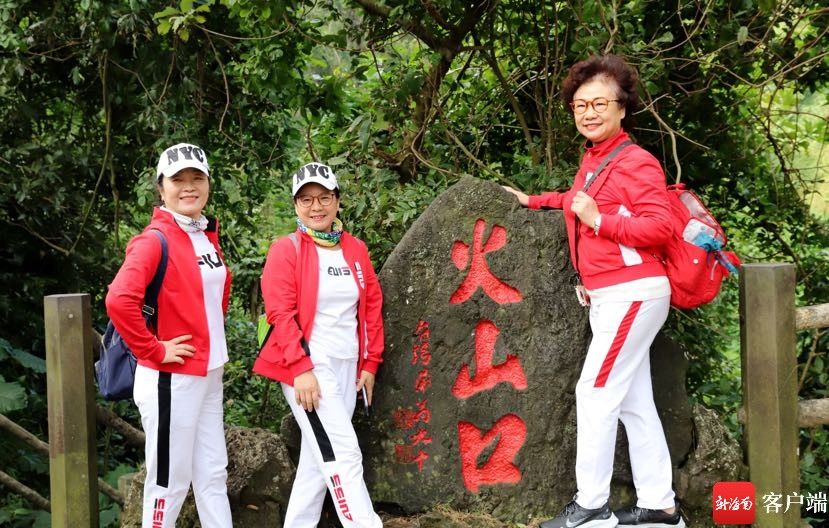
column 769, row 375
column 73, row 464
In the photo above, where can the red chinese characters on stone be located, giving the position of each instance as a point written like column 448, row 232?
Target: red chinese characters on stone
column 479, row 274
column 420, row 437
column 420, row 349
column 508, row 433
column 405, row 454
column 423, row 381
column 410, row 418
column 488, row 375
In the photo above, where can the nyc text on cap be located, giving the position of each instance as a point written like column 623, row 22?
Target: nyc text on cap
column 314, row 173
column 182, row 156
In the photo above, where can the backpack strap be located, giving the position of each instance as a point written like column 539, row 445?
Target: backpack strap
column 303, row 343
column 607, row 159
column 295, row 240
column 265, row 329
column 150, row 308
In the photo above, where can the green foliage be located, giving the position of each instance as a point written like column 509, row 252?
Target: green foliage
column 12, row 397
column 15, row 514
column 250, row 400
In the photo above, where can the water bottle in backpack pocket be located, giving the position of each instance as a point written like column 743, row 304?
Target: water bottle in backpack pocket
column 694, row 257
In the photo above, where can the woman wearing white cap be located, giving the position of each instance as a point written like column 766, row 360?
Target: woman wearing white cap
column 323, row 302
column 178, row 381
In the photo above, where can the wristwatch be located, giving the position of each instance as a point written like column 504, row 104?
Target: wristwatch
column 597, row 223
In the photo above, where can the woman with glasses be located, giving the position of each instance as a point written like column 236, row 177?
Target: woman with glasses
column 616, row 223
column 323, row 301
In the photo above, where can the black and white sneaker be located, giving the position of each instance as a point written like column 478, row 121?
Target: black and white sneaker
column 574, row 515
column 645, row 518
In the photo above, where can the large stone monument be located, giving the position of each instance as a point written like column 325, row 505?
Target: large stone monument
column 475, row 404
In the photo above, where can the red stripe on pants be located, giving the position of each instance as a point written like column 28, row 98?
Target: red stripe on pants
column 618, row 342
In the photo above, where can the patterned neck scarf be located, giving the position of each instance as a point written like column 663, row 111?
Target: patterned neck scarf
column 322, row 238
column 186, row 223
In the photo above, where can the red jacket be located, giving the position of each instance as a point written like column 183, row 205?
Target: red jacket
column 180, row 301
column 290, row 284
column 633, row 201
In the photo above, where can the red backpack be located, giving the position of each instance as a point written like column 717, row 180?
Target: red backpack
column 694, row 259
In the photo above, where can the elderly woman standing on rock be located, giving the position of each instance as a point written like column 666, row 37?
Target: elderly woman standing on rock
column 616, row 223
column 324, row 303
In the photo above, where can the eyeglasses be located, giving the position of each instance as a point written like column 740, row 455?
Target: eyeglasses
column 599, row 104
column 307, row 201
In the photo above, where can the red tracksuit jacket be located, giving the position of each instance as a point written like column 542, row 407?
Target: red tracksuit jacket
column 180, row 301
column 633, row 200
column 290, row 285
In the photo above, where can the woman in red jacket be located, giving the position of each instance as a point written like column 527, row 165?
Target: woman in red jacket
column 615, row 227
column 178, row 381
column 324, row 303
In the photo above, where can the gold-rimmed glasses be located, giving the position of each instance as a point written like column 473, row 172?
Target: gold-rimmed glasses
column 599, row 104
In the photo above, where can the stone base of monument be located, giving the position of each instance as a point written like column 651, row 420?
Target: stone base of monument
column 260, row 474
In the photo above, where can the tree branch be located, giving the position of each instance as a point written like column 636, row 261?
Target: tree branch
column 107, row 148
column 109, row 419
column 671, row 133
column 224, row 78
column 24, row 491
column 405, row 160
column 434, row 12
column 382, row 11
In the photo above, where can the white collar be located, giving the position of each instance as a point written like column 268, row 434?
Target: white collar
column 186, row 223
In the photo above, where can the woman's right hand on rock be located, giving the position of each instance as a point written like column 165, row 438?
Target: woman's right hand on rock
column 523, row 199
column 307, row 391
column 175, row 350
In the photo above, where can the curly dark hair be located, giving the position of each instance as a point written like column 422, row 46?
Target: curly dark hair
column 612, row 67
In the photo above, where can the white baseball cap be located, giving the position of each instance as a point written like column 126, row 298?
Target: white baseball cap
column 314, row 173
column 181, row 156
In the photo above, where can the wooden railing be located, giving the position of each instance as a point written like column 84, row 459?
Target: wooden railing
column 771, row 411
column 74, row 485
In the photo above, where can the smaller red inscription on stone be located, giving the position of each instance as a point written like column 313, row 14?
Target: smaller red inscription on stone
column 407, row 418
column 423, row 381
column 420, row 437
column 420, row 348
column 420, row 459
column 405, row 454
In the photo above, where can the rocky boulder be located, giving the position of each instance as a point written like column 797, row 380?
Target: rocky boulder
column 475, row 404
column 260, row 474
column 715, row 457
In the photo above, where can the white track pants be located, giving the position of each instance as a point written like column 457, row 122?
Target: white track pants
column 330, row 456
column 182, row 416
column 615, row 384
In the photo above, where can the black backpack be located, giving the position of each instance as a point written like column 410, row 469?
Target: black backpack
column 115, row 370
